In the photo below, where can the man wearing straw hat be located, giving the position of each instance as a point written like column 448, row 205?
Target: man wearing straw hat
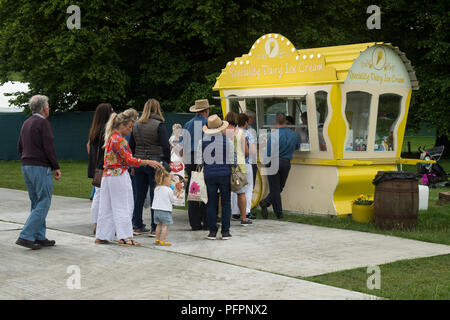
column 190, row 140
column 218, row 156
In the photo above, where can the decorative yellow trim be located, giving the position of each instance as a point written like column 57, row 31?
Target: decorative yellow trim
column 223, row 103
column 402, row 126
column 357, row 162
column 337, row 128
column 259, row 190
column 352, row 182
column 275, row 85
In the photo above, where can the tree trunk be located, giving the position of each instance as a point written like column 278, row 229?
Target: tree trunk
column 442, row 140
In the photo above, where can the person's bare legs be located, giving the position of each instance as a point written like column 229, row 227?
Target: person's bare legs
column 158, row 233
column 163, row 241
column 164, row 232
column 242, row 205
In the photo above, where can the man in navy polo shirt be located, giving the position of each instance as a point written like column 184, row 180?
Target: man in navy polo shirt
column 286, row 144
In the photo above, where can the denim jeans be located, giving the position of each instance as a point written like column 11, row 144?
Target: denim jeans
column 222, row 184
column 133, row 184
column 144, row 178
column 39, row 183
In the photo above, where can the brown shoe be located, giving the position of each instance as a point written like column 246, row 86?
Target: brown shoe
column 28, row 244
column 45, row 243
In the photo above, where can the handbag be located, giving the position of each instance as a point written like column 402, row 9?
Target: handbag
column 97, row 180
column 238, row 179
column 197, row 186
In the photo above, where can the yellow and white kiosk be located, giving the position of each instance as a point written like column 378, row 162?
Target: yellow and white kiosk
column 355, row 99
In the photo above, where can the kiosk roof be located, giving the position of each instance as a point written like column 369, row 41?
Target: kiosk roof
column 273, row 61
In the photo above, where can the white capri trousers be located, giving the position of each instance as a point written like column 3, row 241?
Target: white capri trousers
column 116, row 208
column 95, row 205
column 247, row 189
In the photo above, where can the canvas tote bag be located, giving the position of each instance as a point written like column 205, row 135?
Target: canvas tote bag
column 197, row 187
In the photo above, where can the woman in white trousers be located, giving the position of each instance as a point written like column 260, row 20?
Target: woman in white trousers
column 116, row 194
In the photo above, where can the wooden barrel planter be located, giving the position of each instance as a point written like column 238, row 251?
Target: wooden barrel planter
column 396, row 200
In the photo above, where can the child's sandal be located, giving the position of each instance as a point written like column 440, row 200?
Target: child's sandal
column 165, row 243
column 157, row 242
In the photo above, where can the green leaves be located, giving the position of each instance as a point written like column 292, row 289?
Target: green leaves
column 128, row 51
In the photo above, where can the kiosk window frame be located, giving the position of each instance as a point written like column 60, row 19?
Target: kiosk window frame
column 357, row 115
column 321, row 97
column 388, row 113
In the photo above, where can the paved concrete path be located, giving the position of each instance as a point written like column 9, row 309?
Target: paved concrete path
column 259, row 262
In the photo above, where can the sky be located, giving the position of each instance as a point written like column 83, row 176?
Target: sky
column 10, row 87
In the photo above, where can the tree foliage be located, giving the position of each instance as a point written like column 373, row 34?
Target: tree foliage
column 128, row 51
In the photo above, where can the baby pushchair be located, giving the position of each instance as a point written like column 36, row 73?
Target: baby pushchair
column 432, row 173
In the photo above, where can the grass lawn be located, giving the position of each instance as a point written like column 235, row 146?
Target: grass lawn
column 416, row 142
column 415, row 279
column 433, row 225
column 74, row 181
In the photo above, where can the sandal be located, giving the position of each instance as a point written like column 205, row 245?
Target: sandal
column 99, row 241
column 165, row 243
column 157, row 242
column 128, row 242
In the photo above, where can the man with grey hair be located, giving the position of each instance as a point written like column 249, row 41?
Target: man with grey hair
column 38, row 161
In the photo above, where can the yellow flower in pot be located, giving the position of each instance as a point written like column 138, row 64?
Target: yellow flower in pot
column 362, row 209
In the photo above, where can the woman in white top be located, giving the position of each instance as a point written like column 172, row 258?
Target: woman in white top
column 163, row 199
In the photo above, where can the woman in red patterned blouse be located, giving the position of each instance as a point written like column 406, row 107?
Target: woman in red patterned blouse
column 116, row 197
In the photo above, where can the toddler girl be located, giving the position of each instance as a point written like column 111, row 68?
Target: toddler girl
column 163, row 199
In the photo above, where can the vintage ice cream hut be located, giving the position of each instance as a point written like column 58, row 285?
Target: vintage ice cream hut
column 349, row 106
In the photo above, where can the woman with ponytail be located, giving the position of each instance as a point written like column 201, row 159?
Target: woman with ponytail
column 116, row 195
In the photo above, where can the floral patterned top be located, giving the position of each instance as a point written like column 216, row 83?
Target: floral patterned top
column 118, row 156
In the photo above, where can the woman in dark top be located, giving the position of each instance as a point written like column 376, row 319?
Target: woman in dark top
column 96, row 151
column 149, row 140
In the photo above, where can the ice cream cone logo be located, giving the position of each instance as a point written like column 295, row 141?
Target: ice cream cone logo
column 271, row 47
column 379, row 58
column 380, row 55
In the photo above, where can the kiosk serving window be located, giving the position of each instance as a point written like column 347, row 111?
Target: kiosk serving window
column 294, row 109
column 388, row 112
column 357, row 111
column 321, row 115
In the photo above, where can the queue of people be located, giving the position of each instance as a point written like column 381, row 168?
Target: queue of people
column 134, row 153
